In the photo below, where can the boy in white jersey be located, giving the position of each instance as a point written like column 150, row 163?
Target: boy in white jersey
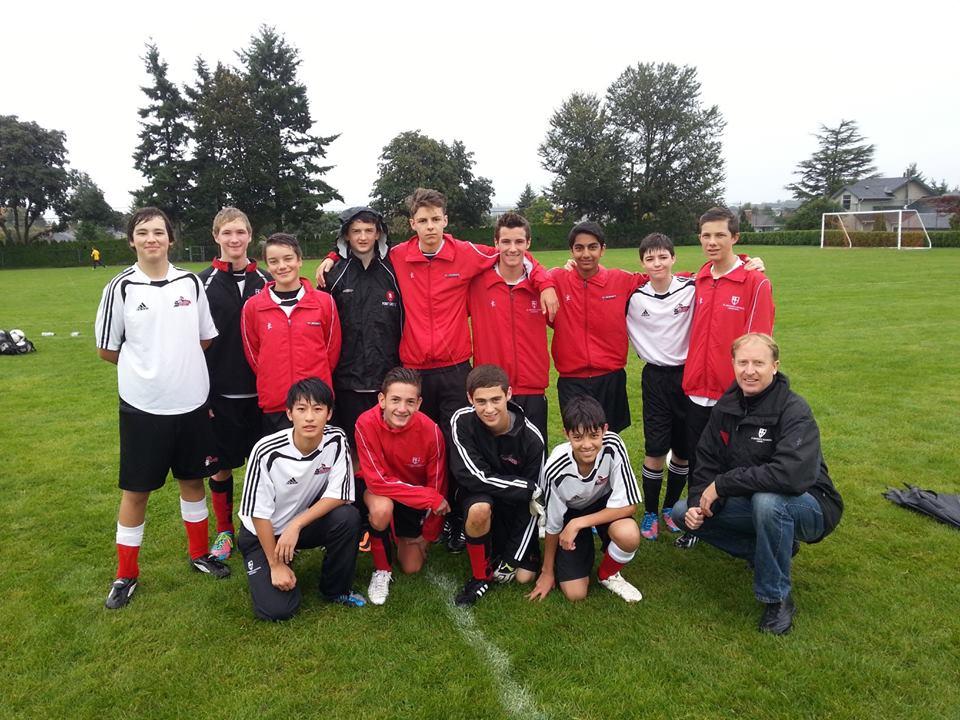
column 590, row 484
column 659, row 316
column 153, row 323
column 298, row 493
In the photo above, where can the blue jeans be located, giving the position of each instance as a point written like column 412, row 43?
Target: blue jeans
column 761, row 529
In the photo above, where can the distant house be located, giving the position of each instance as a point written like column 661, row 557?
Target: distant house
column 880, row 193
column 768, row 217
column 935, row 212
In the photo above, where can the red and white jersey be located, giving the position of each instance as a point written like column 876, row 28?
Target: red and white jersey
column 726, row 307
column 282, row 482
column 658, row 324
column 157, row 326
column 510, row 330
column 434, row 290
column 589, row 332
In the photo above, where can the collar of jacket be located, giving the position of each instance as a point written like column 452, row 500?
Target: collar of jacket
column 599, row 278
column 415, row 254
column 310, row 299
column 491, row 277
column 223, row 266
column 738, row 274
column 769, row 403
column 395, row 430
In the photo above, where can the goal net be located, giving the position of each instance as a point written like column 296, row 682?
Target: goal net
column 900, row 229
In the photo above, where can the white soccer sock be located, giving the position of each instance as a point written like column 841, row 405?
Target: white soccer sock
column 193, row 511
column 619, row 554
column 130, row 536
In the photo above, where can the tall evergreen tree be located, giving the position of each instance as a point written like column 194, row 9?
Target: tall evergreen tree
column 283, row 160
column 526, row 199
column 843, row 158
column 162, row 154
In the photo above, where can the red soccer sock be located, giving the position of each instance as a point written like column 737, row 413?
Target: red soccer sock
column 477, row 550
column 194, row 514
column 608, row 566
column 127, row 565
column 378, row 548
column 221, row 496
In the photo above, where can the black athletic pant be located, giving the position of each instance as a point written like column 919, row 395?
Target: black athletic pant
column 697, row 418
column 338, row 531
column 535, row 409
column 444, row 391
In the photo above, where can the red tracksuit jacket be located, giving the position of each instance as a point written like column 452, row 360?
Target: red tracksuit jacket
column 283, row 350
column 724, row 309
column 435, row 329
column 590, row 330
column 510, row 330
column 407, row 465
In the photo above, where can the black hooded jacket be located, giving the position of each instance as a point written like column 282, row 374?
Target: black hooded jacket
column 766, row 443
column 370, row 309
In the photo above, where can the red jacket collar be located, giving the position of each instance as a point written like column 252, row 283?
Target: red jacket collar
column 222, row 266
column 491, row 277
column 738, row 274
column 447, row 249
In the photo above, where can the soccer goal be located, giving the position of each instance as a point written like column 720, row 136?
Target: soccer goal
column 900, row 229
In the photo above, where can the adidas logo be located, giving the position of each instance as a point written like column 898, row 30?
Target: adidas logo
column 644, row 314
column 142, row 306
column 292, row 481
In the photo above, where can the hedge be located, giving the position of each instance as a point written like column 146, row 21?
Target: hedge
column 545, row 237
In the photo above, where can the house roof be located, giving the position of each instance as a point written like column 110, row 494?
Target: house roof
column 879, row 188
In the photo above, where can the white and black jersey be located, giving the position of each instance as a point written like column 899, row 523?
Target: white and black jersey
column 611, row 477
column 281, row 482
column 157, row 326
column 658, row 324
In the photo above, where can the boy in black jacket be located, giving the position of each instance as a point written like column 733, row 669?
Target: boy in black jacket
column 760, row 484
column 230, row 280
column 497, row 460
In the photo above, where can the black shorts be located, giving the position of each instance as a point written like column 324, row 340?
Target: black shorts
column 274, row 422
column 236, row 427
column 610, row 390
column 578, row 563
column 444, row 391
column 664, row 410
column 348, row 406
column 513, row 531
column 407, row 521
column 697, row 418
column 535, row 408
column 153, row 445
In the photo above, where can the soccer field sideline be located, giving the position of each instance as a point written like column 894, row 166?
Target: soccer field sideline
column 868, row 337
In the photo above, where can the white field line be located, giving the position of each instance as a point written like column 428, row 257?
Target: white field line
column 514, row 697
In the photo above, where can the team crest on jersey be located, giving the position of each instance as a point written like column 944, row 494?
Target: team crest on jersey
column 416, row 461
column 602, row 479
column 322, row 469
column 761, row 437
column 734, row 299
column 391, row 296
column 510, row 459
column 680, row 309
column 181, row 302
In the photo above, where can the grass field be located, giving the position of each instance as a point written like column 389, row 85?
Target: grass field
column 870, row 337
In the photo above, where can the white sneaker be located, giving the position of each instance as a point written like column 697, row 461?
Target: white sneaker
column 379, row 586
column 618, row 585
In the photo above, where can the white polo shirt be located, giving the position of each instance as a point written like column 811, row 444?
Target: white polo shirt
column 659, row 324
column 157, row 326
column 281, row 482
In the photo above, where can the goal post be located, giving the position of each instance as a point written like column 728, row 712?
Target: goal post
column 900, row 229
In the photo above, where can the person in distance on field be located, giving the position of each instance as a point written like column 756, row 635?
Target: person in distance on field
column 404, row 464
column 760, row 484
column 153, row 323
column 298, row 494
column 231, row 280
column 497, row 457
column 290, row 331
column 590, row 485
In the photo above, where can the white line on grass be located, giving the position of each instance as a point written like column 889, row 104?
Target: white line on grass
column 514, row 697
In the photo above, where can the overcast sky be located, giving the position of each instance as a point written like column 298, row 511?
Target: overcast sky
column 492, row 73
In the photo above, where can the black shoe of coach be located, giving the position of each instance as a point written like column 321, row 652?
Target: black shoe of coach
column 778, row 617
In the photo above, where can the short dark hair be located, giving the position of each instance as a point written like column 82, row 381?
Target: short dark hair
column 511, row 220
column 720, row 213
column 148, row 213
column 365, row 217
column 283, row 239
column 311, row 389
column 586, row 228
column 656, row 241
column 583, row 413
column 425, row 197
column 485, row 376
column 401, row 375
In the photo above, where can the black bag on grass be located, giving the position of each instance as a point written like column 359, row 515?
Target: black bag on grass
column 945, row 508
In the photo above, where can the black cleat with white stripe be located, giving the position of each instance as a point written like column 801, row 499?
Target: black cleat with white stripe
column 211, row 566
column 120, row 593
column 472, row 591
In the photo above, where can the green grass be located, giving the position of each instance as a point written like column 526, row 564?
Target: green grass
column 869, row 337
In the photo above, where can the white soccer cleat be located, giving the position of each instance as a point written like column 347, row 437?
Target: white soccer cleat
column 618, row 585
column 379, row 586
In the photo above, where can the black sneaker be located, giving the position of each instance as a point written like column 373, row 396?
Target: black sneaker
column 445, row 532
column 211, row 566
column 120, row 593
column 685, row 541
column 457, row 542
column 503, row 572
column 472, row 591
column 778, row 617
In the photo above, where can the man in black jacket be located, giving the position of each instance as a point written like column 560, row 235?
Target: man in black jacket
column 229, row 282
column 497, row 460
column 760, row 484
column 365, row 290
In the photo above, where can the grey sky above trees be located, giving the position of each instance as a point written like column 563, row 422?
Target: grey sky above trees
column 774, row 72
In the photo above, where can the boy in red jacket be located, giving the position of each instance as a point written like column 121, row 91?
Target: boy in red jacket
column 290, row 331
column 403, row 457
